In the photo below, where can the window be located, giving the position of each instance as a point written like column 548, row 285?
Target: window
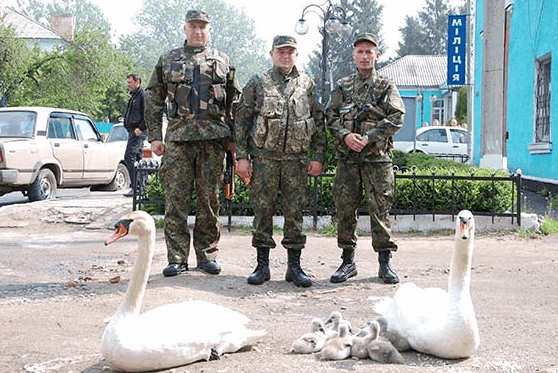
column 541, row 130
column 85, row 130
column 60, row 128
column 436, row 135
column 542, row 99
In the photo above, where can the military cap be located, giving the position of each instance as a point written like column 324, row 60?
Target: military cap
column 283, row 41
column 197, row 15
column 371, row 38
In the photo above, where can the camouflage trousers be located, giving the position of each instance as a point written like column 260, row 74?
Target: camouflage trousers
column 271, row 178
column 188, row 167
column 378, row 182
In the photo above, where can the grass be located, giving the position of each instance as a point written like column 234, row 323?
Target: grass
column 549, row 225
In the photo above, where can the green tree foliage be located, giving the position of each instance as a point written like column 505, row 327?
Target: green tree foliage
column 86, row 75
column 14, row 58
column 426, row 34
column 363, row 16
column 461, row 109
column 162, row 25
column 86, row 14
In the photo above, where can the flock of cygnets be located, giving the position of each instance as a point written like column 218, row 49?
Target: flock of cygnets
column 334, row 339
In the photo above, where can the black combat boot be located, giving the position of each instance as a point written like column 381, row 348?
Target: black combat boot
column 294, row 272
column 347, row 268
column 385, row 272
column 261, row 273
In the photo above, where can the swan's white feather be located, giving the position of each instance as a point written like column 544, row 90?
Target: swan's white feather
column 170, row 335
column 435, row 321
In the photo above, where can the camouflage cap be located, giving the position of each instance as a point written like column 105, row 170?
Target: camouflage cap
column 283, row 41
column 197, row 15
column 371, row 38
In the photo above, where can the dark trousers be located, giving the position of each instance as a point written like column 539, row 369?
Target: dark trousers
column 133, row 153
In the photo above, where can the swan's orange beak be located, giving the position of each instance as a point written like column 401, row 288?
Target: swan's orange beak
column 122, row 227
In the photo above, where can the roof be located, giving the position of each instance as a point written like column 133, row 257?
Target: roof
column 417, row 71
column 25, row 27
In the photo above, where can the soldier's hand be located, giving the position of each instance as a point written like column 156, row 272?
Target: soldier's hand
column 314, row 168
column 356, row 142
column 158, row 147
column 244, row 170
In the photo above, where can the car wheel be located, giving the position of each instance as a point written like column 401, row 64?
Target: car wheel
column 122, row 178
column 121, row 181
column 44, row 186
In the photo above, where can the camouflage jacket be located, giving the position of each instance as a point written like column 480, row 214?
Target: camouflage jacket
column 279, row 117
column 197, row 87
column 368, row 106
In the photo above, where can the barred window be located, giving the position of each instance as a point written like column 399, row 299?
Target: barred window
column 542, row 100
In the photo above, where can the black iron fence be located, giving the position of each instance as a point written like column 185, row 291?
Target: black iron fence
column 430, row 194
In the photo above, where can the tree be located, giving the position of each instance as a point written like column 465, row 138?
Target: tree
column 87, row 15
column 14, row 58
column 162, row 26
column 87, row 75
column 363, row 16
column 427, row 33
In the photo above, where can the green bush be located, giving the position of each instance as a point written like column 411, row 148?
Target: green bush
column 438, row 195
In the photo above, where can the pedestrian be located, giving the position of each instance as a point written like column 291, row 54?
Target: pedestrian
column 364, row 113
column 199, row 85
column 278, row 120
column 134, row 122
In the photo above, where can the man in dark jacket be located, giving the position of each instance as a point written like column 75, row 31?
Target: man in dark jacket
column 134, row 122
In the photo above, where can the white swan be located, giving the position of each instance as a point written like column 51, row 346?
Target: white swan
column 311, row 342
column 171, row 335
column 434, row 321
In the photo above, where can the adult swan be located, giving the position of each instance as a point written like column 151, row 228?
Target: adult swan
column 170, row 335
column 434, row 321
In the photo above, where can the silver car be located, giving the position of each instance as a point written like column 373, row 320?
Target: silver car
column 43, row 149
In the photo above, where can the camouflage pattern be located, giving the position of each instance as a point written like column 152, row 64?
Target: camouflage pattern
column 277, row 121
column 370, row 169
column 269, row 179
column 189, row 165
column 280, row 118
column 351, row 95
column 199, row 86
column 377, row 179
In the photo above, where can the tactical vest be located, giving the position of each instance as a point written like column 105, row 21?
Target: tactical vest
column 284, row 123
column 357, row 95
column 196, row 84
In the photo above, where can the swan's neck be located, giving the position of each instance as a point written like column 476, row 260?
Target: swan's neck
column 140, row 274
column 460, row 269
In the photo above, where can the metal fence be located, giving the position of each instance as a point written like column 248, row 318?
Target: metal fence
column 424, row 188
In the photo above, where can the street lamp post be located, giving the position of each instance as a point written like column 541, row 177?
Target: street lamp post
column 334, row 20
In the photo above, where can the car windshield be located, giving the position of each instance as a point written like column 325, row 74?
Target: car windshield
column 17, row 123
column 117, row 133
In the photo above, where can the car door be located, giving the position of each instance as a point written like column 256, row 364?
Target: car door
column 66, row 148
column 96, row 160
column 434, row 141
column 459, row 140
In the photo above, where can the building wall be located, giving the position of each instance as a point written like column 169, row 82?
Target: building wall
column 533, row 35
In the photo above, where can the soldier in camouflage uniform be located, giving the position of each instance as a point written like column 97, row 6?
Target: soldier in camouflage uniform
column 277, row 122
column 365, row 111
column 197, row 82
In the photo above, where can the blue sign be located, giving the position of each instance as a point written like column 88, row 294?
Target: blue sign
column 457, row 49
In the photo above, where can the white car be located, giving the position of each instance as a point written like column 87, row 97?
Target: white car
column 439, row 141
column 43, row 149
